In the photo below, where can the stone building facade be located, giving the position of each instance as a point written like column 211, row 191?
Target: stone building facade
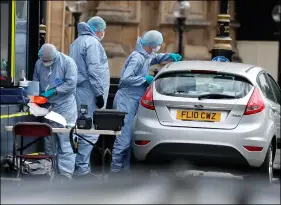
column 126, row 20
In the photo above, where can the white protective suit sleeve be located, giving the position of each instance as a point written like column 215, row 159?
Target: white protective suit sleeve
column 129, row 76
column 70, row 79
column 159, row 58
column 93, row 62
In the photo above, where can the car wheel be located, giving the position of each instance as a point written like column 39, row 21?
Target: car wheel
column 266, row 170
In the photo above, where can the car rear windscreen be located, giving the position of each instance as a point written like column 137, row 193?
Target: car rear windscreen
column 192, row 84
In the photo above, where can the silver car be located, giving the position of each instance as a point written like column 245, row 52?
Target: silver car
column 210, row 112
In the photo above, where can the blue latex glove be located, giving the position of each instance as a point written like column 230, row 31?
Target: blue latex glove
column 48, row 93
column 175, row 57
column 149, row 79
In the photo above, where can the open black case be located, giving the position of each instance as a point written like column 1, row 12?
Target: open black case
column 108, row 119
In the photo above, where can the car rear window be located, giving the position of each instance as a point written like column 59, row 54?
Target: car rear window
column 192, row 84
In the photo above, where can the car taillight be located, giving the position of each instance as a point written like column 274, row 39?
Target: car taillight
column 147, row 99
column 141, row 142
column 255, row 104
column 253, row 148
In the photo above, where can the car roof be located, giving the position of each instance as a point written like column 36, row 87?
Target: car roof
column 235, row 68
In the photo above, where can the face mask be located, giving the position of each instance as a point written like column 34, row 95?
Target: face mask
column 103, row 33
column 48, row 64
column 155, row 50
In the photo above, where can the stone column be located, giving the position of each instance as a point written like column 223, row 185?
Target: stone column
column 89, row 11
column 196, row 25
column 122, row 18
column 69, row 31
column 56, row 24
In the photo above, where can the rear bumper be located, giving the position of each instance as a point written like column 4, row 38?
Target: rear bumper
column 198, row 153
column 199, row 144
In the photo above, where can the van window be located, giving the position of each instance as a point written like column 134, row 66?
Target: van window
column 21, row 38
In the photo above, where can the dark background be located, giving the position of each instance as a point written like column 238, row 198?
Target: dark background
column 255, row 17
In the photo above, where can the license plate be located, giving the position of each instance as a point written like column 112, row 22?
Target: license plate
column 193, row 115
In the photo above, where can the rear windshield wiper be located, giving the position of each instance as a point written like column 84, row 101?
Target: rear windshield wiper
column 215, row 96
column 178, row 91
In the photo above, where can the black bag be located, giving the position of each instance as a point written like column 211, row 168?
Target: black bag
column 108, row 119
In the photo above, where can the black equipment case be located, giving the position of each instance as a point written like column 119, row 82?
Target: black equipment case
column 108, row 119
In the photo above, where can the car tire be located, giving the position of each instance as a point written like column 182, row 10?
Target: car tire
column 265, row 172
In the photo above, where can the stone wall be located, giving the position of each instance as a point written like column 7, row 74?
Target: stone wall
column 126, row 20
